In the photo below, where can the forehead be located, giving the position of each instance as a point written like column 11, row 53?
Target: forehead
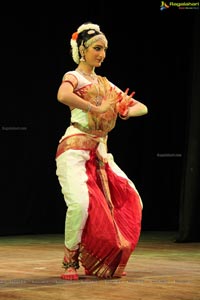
column 99, row 43
column 99, row 40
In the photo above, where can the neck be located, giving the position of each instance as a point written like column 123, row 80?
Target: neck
column 88, row 74
column 86, row 68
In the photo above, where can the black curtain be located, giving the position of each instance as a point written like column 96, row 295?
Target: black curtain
column 189, row 227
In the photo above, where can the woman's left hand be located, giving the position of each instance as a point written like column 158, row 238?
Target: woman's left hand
column 124, row 103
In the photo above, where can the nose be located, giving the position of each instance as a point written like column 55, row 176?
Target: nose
column 103, row 54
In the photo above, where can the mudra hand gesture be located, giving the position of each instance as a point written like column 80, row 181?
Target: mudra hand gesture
column 124, row 103
column 112, row 97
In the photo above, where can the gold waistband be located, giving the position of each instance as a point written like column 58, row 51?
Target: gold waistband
column 98, row 133
column 77, row 141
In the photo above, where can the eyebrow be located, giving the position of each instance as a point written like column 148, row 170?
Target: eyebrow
column 100, row 46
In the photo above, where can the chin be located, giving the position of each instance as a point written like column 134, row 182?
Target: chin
column 98, row 64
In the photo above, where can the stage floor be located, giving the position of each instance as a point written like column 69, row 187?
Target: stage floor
column 159, row 268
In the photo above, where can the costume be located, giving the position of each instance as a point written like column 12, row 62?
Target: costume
column 104, row 208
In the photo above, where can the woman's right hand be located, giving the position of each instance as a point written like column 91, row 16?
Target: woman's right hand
column 110, row 100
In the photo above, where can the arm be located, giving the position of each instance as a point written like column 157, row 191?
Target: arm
column 137, row 110
column 67, row 96
column 130, row 107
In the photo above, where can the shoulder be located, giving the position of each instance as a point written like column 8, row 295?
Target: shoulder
column 71, row 78
column 74, row 74
column 69, row 74
column 75, row 79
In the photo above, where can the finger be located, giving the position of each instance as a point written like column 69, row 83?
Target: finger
column 118, row 97
column 132, row 94
column 126, row 91
column 132, row 103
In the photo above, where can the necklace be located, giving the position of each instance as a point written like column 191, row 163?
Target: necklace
column 92, row 75
column 95, row 83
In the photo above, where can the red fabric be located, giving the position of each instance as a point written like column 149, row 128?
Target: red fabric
column 128, row 211
column 100, row 237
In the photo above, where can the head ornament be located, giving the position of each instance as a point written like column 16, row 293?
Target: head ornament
column 85, row 35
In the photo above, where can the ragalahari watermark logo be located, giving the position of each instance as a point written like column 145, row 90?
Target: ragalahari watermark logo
column 179, row 5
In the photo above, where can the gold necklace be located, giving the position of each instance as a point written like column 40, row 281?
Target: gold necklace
column 92, row 75
column 95, row 82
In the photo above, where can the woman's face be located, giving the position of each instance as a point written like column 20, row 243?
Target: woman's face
column 95, row 53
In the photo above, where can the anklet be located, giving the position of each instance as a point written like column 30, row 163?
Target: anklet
column 74, row 264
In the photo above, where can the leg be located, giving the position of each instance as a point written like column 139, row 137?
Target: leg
column 71, row 172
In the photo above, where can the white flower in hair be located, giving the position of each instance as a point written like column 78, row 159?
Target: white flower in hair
column 88, row 26
column 75, row 52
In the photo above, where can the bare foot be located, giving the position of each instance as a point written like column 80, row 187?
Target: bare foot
column 70, row 274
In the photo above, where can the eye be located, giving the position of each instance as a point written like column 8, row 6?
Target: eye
column 97, row 48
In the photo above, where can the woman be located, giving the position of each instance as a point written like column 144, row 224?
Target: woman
column 104, row 209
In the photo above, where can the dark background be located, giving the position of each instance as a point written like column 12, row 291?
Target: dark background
column 153, row 52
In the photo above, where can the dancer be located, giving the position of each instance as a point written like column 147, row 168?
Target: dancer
column 104, row 208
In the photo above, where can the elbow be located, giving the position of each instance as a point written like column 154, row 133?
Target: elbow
column 145, row 110
column 60, row 97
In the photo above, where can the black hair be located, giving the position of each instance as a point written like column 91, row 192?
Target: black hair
column 84, row 36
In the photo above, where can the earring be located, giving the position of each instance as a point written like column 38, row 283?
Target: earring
column 82, row 56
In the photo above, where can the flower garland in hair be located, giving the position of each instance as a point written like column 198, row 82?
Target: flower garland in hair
column 88, row 26
column 75, row 52
column 73, row 41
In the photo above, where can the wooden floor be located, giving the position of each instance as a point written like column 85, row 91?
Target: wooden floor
column 160, row 268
